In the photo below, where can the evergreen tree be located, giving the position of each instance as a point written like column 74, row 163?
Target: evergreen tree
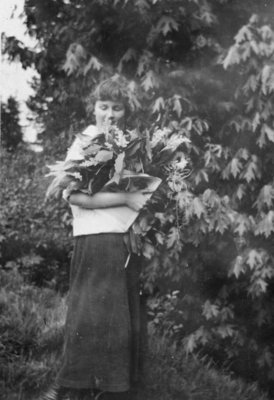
column 11, row 131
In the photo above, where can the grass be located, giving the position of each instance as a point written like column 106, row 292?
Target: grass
column 31, row 331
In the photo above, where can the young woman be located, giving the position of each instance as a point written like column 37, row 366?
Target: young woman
column 102, row 337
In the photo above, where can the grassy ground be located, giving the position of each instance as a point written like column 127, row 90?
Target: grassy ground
column 31, row 331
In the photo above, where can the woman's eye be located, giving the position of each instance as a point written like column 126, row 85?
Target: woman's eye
column 105, row 107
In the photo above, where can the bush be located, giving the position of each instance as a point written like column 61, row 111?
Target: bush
column 37, row 235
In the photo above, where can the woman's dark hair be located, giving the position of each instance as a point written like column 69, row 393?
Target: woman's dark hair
column 117, row 88
column 114, row 89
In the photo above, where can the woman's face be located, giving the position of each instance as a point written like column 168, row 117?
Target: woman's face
column 109, row 112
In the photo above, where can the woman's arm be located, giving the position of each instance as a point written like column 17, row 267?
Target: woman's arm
column 135, row 200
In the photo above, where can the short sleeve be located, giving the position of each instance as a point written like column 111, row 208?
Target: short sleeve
column 75, row 150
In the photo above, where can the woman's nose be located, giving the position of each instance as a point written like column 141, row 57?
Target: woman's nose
column 109, row 113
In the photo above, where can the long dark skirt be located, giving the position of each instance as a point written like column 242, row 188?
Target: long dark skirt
column 102, row 338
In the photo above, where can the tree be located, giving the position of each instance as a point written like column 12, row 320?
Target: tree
column 11, row 131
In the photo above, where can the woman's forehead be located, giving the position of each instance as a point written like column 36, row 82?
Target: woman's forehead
column 110, row 102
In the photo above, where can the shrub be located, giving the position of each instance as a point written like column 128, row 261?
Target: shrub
column 36, row 235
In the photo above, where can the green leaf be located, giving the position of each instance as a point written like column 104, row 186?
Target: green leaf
column 103, row 156
column 190, row 343
column 245, row 51
column 75, row 57
column 201, row 176
column 266, row 75
column 252, row 169
column 133, row 147
column 158, row 105
column 235, row 124
column 211, row 198
column 269, row 132
column 172, row 237
column 143, row 5
column 266, row 32
column 255, row 47
column 177, row 106
column 266, row 225
column 144, row 62
column 119, row 163
column 94, row 64
column 150, row 81
column 207, row 16
column 130, row 55
column 238, row 267
column 266, row 358
column 225, row 331
column 257, row 287
column 232, row 57
column 174, row 141
column 184, row 199
column 241, row 191
column 265, row 197
column 261, row 141
column 210, row 310
column 244, row 34
column 148, row 147
column 243, row 224
column 222, row 222
column 233, row 168
column 198, row 207
column 256, row 121
column 251, row 84
column 148, row 250
column 160, row 238
column 31, row 260
column 118, row 168
column 167, row 24
column 254, row 259
column 132, row 96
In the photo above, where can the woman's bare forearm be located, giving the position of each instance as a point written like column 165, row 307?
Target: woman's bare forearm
column 135, row 201
column 98, row 200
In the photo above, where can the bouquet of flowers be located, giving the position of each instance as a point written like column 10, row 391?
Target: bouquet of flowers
column 118, row 161
column 113, row 157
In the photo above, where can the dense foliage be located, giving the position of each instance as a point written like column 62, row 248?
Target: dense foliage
column 193, row 74
column 11, row 131
column 33, row 237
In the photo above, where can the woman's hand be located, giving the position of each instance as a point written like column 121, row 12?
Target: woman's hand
column 136, row 200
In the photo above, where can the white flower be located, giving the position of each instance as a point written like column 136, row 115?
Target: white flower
column 120, row 140
column 181, row 164
column 88, row 163
column 76, row 175
column 118, row 136
column 160, row 135
column 175, row 141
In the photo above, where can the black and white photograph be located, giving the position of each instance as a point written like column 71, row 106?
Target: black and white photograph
column 137, row 200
